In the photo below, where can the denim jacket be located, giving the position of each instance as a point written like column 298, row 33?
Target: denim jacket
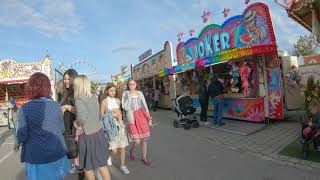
column 109, row 126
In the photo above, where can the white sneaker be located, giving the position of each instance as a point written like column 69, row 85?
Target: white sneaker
column 124, row 169
column 109, row 161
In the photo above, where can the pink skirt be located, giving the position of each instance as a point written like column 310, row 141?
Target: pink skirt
column 140, row 128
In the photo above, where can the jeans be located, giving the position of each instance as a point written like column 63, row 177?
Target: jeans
column 217, row 111
column 204, row 109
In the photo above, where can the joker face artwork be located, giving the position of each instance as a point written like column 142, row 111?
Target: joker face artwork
column 257, row 28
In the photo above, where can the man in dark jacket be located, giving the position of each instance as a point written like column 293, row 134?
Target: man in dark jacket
column 203, row 99
column 216, row 88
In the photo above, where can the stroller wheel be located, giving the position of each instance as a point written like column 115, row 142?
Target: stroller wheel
column 195, row 124
column 187, row 125
column 175, row 124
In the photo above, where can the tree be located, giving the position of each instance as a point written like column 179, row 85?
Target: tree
column 305, row 45
column 312, row 91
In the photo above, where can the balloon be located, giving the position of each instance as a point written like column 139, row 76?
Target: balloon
column 226, row 12
column 206, row 16
column 191, row 32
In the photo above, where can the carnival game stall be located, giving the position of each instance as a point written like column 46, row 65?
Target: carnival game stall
column 151, row 73
column 244, row 50
column 13, row 79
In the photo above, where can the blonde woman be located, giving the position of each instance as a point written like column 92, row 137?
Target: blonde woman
column 120, row 142
column 92, row 142
column 139, row 119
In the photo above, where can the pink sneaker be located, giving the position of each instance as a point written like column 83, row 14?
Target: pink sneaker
column 146, row 162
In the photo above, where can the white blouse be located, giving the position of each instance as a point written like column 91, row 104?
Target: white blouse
column 112, row 103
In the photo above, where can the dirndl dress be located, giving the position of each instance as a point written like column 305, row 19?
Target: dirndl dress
column 140, row 129
column 121, row 140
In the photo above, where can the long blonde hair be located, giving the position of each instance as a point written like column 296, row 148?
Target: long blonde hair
column 82, row 86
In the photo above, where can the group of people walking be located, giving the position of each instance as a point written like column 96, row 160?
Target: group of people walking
column 152, row 97
column 98, row 128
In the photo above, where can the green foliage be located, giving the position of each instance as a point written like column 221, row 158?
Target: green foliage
column 312, row 91
column 94, row 86
column 305, row 45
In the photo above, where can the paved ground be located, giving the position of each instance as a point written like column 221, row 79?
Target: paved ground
column 201, row 153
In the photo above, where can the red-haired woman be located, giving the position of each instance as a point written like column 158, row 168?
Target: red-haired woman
column 40, row 132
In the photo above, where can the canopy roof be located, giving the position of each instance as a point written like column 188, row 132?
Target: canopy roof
column 301, row 11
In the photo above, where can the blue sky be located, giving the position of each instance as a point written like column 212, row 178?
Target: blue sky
column 111, row 33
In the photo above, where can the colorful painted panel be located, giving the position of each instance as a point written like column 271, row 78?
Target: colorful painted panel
column 274, row 87
column 249, row 109
column 120, row 78
column 154, row 64
column 245, row 109
column 253, row 28
column 11, row 71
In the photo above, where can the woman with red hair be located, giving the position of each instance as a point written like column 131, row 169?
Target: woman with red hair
column 41, row 131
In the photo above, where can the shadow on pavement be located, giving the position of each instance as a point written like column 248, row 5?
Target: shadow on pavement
column 5, row 135
column 21, row 175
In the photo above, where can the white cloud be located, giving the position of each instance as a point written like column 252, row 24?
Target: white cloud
column 54, row 18
column 124, row 48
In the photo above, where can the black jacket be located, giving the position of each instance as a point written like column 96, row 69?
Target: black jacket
column 215, row 88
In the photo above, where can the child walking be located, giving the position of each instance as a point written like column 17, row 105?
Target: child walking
column 120, row 142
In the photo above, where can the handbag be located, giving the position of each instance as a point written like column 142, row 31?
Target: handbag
column 127, row 108
column 72, row 145
column 129, row 116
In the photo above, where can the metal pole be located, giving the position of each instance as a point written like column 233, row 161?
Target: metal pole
column 266, row 97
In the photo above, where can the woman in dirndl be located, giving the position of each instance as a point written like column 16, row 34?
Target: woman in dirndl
column 139, row 119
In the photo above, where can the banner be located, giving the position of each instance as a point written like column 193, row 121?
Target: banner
column 249, row 31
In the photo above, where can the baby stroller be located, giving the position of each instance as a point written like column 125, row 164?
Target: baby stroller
column 185, row 110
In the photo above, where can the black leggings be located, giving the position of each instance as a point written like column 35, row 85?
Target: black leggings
column 204, row 110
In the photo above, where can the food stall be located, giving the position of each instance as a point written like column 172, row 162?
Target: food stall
column 244, row 50
column 150, row 74
column 13, row 79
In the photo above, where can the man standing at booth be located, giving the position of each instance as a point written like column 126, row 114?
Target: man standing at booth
column 216, row 89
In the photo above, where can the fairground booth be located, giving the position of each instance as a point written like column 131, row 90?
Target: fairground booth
column 244, row 51
column 150, row 73
column 13, row 80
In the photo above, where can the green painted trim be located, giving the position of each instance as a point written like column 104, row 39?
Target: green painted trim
column 208, row 27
